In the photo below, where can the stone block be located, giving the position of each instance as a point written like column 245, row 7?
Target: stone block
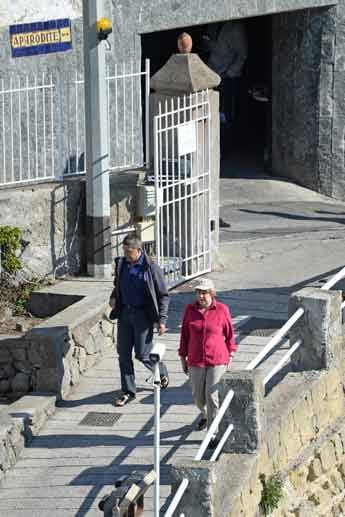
column 320, row 328
column 315, row 470
column 326, row 453
column 337, row 481
column 5, row 386
column 245, row 412
column 197, row 499
column 21, row 383
column 5, row 355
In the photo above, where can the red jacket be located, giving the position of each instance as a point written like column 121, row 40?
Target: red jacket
column 207, row 338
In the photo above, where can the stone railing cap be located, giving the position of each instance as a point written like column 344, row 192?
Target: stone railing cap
column 184, row 73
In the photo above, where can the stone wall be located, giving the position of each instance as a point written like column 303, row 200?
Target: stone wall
column 296, row 429
column 52, row 356
column 54, row 231
column 51, row 218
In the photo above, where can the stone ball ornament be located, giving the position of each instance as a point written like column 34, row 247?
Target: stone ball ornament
column 184, row 43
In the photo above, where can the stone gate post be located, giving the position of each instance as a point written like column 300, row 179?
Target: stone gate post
column 320, row 328
column 182, row 75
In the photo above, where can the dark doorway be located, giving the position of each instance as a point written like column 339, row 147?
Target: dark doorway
column 246, row 141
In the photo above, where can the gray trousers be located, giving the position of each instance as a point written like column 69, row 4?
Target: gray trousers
column 205, row 394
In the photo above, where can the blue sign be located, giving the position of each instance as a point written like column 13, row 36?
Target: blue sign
column 30, row 39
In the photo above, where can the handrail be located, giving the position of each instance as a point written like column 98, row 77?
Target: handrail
column 214, row 425
column 184, row 483
column 282, row 361
column 335, row 278
column 222, row 442
column 272, row 343
column 177, row 498
column 276, row 339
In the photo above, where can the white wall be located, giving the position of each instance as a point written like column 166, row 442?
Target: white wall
column 24, row 11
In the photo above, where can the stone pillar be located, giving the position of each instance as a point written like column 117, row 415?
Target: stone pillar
column 320, row 328
column 245, row 411
column 182, row 75
column 198, row 498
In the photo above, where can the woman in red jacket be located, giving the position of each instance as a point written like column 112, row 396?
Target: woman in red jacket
column 207, row 344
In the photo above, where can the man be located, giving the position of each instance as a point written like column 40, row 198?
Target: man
column 228, row 54
column 139, row 300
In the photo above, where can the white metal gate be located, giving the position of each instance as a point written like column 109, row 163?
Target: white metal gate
column 182, row 181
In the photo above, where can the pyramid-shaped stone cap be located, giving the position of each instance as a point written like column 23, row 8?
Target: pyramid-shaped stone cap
column 184, row 73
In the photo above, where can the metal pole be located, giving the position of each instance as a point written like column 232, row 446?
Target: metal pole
column 157, row 402
column 96, row 148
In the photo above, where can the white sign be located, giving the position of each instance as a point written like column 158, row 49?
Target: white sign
column 186, row 138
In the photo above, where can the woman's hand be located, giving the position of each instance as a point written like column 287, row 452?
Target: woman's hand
column 184, row 365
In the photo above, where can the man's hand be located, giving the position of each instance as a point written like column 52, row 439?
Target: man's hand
column 112, row 303
column 184, row 365
column 161, row 329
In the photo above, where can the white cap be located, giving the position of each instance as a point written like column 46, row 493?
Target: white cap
column 205, row 284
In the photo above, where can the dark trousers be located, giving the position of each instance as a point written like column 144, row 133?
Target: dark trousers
column 134, row 330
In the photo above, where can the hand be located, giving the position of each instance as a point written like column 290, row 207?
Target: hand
column 184, row 365
column 161, row 329
column 112, row 303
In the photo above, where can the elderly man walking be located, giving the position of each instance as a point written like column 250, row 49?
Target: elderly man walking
column 140, row 301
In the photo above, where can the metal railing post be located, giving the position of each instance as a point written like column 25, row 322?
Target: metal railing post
column 157, row 402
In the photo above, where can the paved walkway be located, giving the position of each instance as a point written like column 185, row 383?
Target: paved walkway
column 69, row 467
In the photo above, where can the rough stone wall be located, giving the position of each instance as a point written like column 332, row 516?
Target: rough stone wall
column 51, row 359
column 51, row 218
column 299, row 411
column 316, row 484
column 295, row 95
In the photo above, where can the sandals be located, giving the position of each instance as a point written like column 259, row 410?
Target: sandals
column 164, row 382
column 124, row 399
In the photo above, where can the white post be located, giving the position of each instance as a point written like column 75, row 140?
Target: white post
column 96, row 148
column 157, row 402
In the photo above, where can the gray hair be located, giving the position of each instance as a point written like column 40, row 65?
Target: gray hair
column 132, row 240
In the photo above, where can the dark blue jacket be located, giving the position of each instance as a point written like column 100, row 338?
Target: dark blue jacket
column 155, row 286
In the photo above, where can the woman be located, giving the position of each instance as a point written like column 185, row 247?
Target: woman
column 206, row 346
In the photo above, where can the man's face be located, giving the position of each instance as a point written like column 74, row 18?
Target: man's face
column 131, row 254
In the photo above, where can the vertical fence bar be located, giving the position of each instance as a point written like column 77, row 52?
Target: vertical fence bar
column 52, row 96
column 20, row 129
column 147, row 113
column 192, row 197
column 178, row 117
column 124, row 111
column 28, row 126
column 167, row 184
column 11, row 125
column 44, row 127
column 3, row 130
column 76, row 88
column 186, row 256
column 132, row 112
column 173, row 190
column 36, row 128
column 156, row 170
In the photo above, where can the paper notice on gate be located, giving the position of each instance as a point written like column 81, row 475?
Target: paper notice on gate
column 186, row 134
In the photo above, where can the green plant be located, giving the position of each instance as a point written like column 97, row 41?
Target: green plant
column 10, row 243
column 272, row 492
column 24, row 291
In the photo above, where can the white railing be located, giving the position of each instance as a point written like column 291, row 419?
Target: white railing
column 42, row 123
column 27, row 129
column 273, row 343
column 124, row 108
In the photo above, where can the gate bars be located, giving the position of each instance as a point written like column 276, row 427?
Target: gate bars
column 182, row 181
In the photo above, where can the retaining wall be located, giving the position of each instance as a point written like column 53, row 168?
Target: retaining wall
column 295, row 429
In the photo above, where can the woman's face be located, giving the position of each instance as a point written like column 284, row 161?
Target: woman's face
column 204, row 298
